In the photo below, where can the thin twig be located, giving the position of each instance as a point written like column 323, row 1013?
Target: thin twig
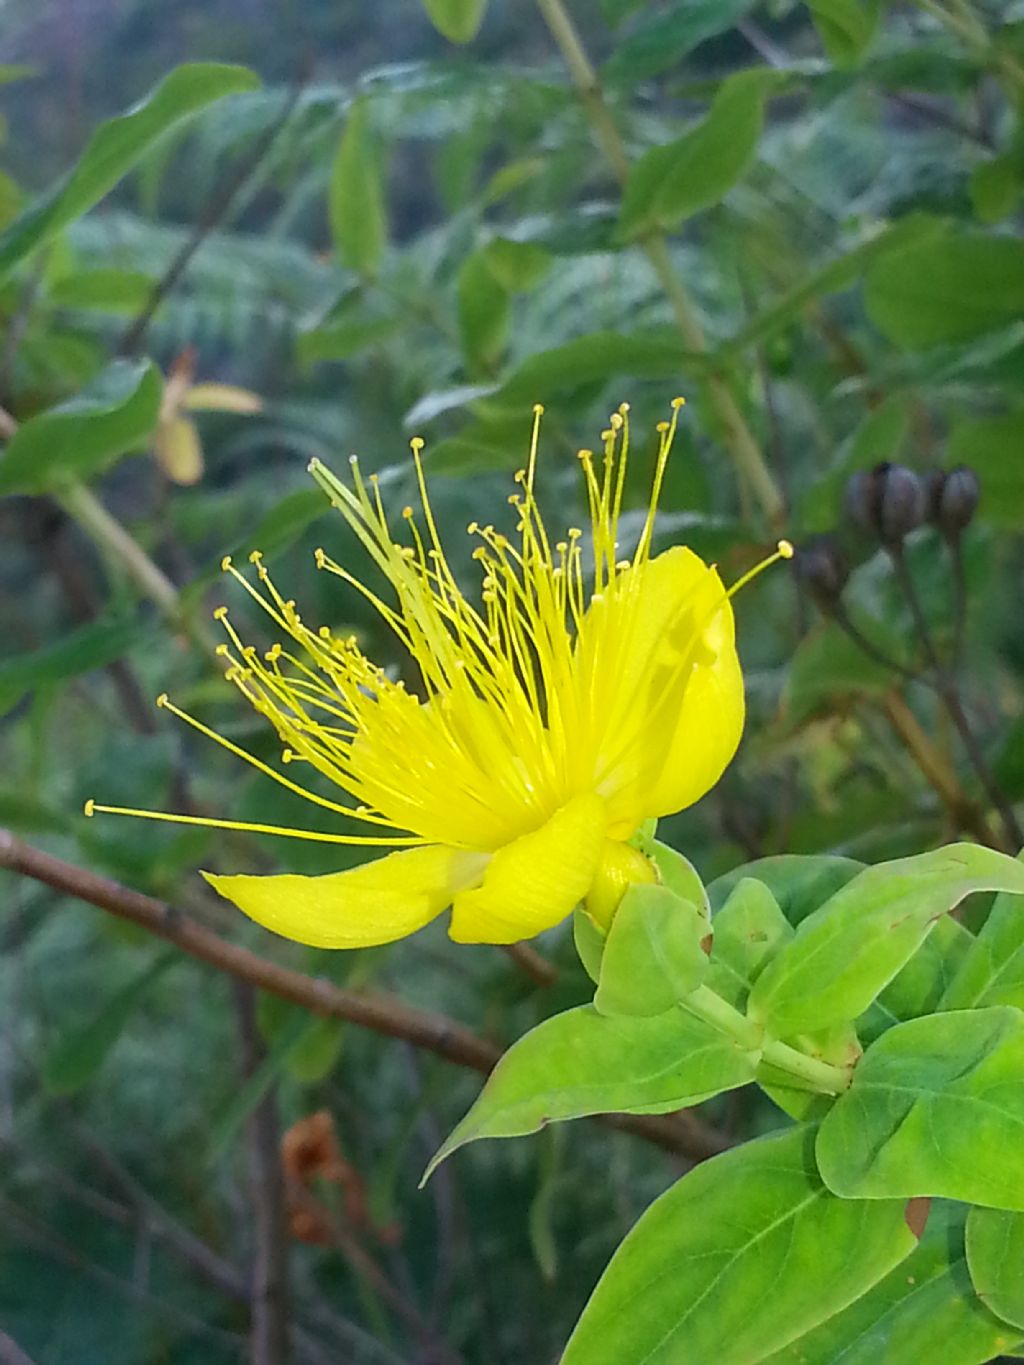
column 217, row 210
column 268, row 1326
column 682, row 1134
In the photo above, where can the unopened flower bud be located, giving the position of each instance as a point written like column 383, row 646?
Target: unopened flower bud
column 953, row 499
column 822, row 568
column 888, row 502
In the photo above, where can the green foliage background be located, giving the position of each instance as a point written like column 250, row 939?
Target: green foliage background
column 396, row 236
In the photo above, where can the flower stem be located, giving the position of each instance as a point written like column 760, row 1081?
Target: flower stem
column 743, row 447
column 819, row 1075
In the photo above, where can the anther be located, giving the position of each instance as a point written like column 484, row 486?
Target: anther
column 785, row 549
column 89, row 809
column 661, row 427
column 538, row 409
column 616, row 421
column 255, row 556
column 221, row 651
column 416, row 444
column 287, row 755
column 220, row 614
column 162, row 700
column 407, row 512
column 472, row 528
column 624, row 409
column 319, row 558
column 225, row 564
column 324, row 632
column 678, row 403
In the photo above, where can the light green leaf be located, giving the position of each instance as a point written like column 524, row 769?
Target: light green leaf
column 653, row 955
column 671, row 183
column 992, row 447
column 75, row 440
column 799, row 882
column 581, row 1063
column 992, row 972
column 936, row 1107
column 109, row 290
column 355, row 197
column 589, row 942
column 996, row 185
column 77, row 1056
column 115, row 147
column 925, row 1310
column 948, row 289
column 995, row 1258
column 748, row 931
column 678, row 874
column 79, row 651
column 846, row 27
column 746, row 1252
column 919, row 986
column 457, row 20
column 851, row 948
column 517, row 266
column 339, row 340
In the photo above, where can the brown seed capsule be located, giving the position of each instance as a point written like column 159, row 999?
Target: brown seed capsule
column 821, row 567
column 887, row 502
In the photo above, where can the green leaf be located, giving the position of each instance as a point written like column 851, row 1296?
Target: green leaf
column 76, row 1057
column 581, row 1062
column 936, row 1107
column 316, row 1052
column 339, row 340
column 678, row 874
column 457, row 20
column 653, row 955
column 355, row 197
column 948, row 289
column 79, row 651
column 827, row 670
column 992, row 972
column 995, row 1258
column 589, row 941
column 846, row 27
column 851, row 948
column 996, row 185
column 992, row 446
column 109, row 290
column 746, row 1252
column 484, row 312
column 671, row 183
column 919, row 986
column 598, row 356
column 517, row 266
column 77, row 439
column 662, row 41
column 115, row 147
column 749, row 930
column 923, row 1311
column 799, row 882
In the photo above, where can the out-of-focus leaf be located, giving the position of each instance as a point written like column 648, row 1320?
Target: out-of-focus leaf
column 484, row 310
column 75, row 440
column 179, row 451
column 674, row 181
column 662, row 40
column 16, row 71
column 78, row 651
column 654, row 354
column 800, row 883
column 77, row 1056
column 24, row 813
column 992, row 971
column 339, row 340
column 457, row 20
column 355, row 200
column 222, row 398
column 516, row 266
column 827, row 670
column 114, row 149
column 948, row 289
column 108, row 290
column 846, row 27
column 996, row 185
column 994, row 449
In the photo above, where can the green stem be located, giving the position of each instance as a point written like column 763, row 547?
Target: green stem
column 740, row 441
column 819, row 1075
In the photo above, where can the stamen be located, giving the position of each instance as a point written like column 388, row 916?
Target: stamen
column 784, row 550
column 91, row 808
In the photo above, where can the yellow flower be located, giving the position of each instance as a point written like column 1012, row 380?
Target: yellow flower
column 585, row 695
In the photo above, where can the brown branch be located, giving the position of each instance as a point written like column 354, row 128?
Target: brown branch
column 682, row 1134
column 11, row 1353
column 268, row 1326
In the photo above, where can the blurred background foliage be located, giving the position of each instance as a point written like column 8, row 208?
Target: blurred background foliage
column 804, row 217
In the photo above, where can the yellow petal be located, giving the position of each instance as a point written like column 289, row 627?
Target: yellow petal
column 536, row 880
column 376, row 903
column 178, row 449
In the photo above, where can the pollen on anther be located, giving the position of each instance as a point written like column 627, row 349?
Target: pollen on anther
column 255, row 556
column 319, row 557
column 661, row 427
column 89, row 808
column 407, row 512
column 678, row 403
column 786, row 550
column 538, row 409
column 162, row 700
column 220, row 614
column 416, row 444
column 287, row 755
column 225, row 564
column 221, row 651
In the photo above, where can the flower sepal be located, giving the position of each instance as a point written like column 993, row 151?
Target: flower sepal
column 655, row 954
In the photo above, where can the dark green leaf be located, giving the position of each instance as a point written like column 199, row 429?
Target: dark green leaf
column 996, row 185
column 80, row 651
column 654, row 354
column 115, row 147
column 653, row 956
column 78, row 1055
column 581, row 1063
column 355, row 198
column 746, row 1252
column 672, row 182
column 663, row 40
column 995, row 1258
column 114, row 415
column 924, row 1310
column 846, row 27
column 948, row 289
column 936, row 1108
column 483, row 312
column 828, row 670
column 851, row 948
column 992, row 447
column 109, row 290
column 339, row 340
